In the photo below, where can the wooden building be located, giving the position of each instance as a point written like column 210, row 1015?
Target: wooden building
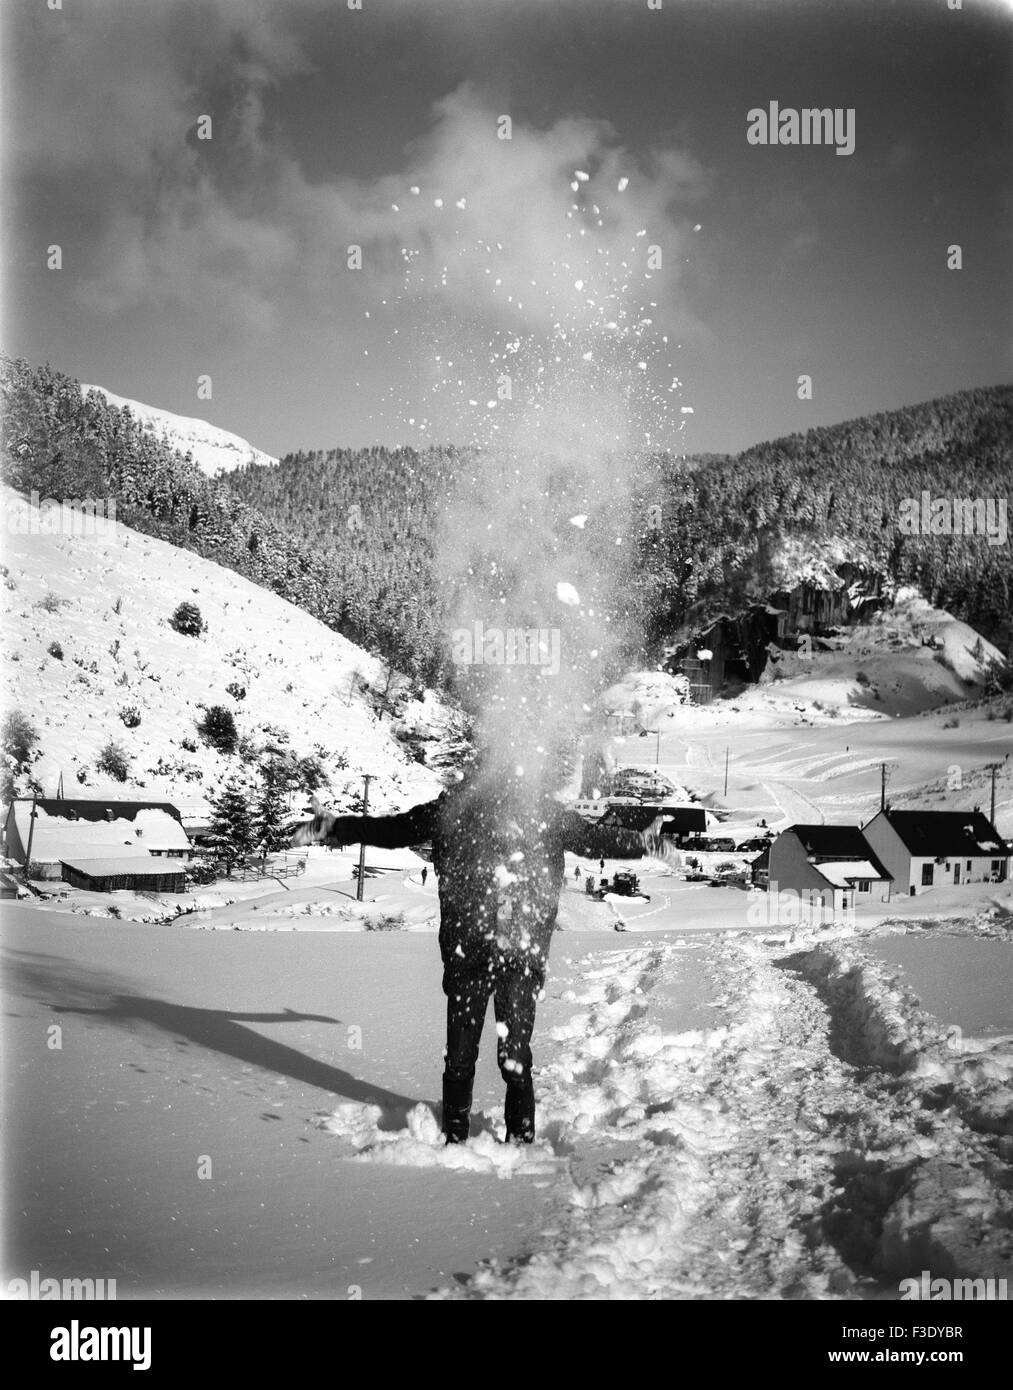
column 79, row 828
column 134, row 873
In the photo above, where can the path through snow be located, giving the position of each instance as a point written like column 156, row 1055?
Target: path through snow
column 816, row 1137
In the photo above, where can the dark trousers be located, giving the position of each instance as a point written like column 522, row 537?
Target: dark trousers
column 514, row 986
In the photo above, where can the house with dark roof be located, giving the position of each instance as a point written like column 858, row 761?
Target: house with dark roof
column 677, row 822
column 81, row 829
column 682, row 821
column 832, row 868
column 926, row 849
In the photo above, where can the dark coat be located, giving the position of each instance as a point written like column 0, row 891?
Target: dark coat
column 500, row 868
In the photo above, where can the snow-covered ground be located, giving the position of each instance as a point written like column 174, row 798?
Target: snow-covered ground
column 789, row 762
column 243, row 1102
column 213, row 450
column 721, row 1114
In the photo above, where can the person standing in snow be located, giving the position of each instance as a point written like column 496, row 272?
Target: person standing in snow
column 425, row 875
column 497, row 848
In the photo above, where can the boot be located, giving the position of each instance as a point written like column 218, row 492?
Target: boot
column 519, row 1110
column 456, row 1107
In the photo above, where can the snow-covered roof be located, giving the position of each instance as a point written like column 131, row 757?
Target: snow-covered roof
column 57, row 836
column 137, row 864
column 843, row 873
column 827, row 846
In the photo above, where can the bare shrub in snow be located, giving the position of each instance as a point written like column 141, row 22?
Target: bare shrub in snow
column 51, row 604
column 387, row 921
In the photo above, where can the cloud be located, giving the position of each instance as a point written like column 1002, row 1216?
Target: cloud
column 496, row 221
column 234, row 227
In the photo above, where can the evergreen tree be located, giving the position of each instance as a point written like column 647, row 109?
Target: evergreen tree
column 724, row 523
column 231, row 832
column 272, row 809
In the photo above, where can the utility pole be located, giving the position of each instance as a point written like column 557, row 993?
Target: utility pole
column 31, row 834
column 727, row 750
column 882, row 786
column 994, row 770
column 367, row 778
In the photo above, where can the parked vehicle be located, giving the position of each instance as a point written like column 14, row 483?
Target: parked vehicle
column 625, row 884
column 710, row 845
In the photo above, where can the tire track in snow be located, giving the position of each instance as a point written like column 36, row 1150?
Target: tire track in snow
column 780, row 791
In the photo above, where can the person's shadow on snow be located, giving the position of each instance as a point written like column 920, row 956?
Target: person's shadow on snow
column 222, row 1031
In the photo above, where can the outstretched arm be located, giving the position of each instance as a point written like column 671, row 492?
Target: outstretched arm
column 592, row 840
column 386, row 832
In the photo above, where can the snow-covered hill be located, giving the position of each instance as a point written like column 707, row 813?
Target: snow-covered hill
column 88, row 640
column 213, row 450
column 908, row 659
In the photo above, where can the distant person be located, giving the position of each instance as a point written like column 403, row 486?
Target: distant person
column 425, row 875
column 497, row 848
column 576, row 873
column 601, row 866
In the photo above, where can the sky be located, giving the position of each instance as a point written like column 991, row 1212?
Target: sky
column 228, row 257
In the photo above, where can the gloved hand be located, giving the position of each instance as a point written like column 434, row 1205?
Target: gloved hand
column 315, row 831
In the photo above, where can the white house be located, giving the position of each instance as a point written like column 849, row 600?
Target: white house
column 81, row 830
column 923, row 849
column 832, row 868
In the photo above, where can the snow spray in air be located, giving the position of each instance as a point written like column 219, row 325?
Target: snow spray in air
column 541, row 273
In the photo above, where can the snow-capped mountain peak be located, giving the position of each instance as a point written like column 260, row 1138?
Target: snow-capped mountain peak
column 214, row 450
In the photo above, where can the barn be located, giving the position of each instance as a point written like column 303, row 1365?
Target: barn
column 137, row 873
column 74, row 829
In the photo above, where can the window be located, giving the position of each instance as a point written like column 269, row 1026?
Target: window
column 863, row 885
column 926, row 875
